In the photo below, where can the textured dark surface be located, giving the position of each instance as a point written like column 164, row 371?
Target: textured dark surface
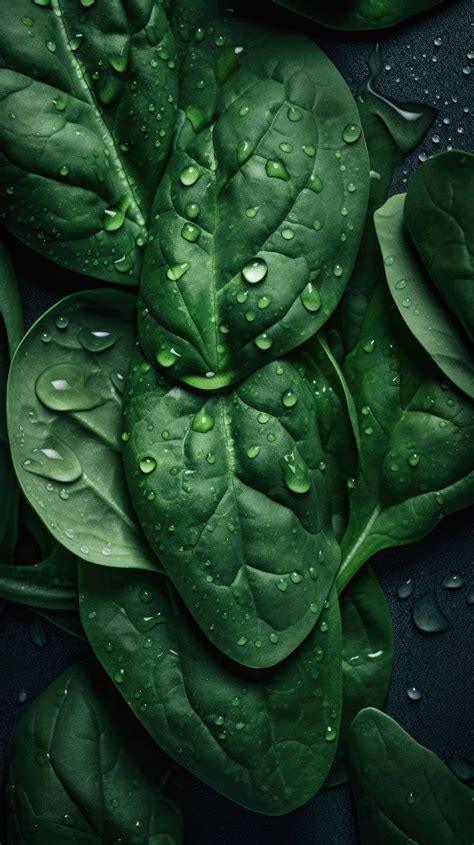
column 439, row 665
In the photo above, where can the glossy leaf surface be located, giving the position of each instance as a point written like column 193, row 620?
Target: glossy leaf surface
column 88, row 96
column 259, row 214
column 84, row 771
column 219, row 482
column 439, row 216
column 420, row 305
column 367, row 656
column 265, row 739
column 65, row 423
column 417, row 435
column 403, row 792
column 359, row 14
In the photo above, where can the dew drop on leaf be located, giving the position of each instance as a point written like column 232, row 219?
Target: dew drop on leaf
column 54, row 460
column 255, row 271
column 147, row 465
column 310, row 298
column 203, row 421
column 276, row 170
column 63, row 387
column 351, row 133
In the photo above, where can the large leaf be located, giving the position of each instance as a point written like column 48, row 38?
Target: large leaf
column 219, row 482
column 84, row 771
column 417, row 435
column 367, row 656
column 439, row 216
column 392, row 130
column 11, row 330
column 422, row 308
column 258, row 217
column 265, row 739
column 88, row 94
column 65, row 423
column 403, row 792
column 359, row 14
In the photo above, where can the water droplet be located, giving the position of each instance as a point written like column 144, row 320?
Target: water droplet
column 276, row 169
column 309, row 150
column 414, row 459
column 310, row 298
column 453, row 582
column 244, row 151
column 97, row 340
column 295, row 474
column 76, row 41
column 414, row 693
column 411, row 798
column 166, row 357
column 255, row 271
column 401, row 284
column 263, row 341
column 61, row 322
column 274, row 638
column 330, row 734
column 253, row 451
column 252, row 212
column 190, row 232
column 51, row 45
column 427, row 615
column 203, row 421
column 243, row 111
column 114, row 216
column 405, row 589
column 192, row 210
column 123, row 264
column 147, row 465
column 22, row 696
column 369, row 346
column 294, row 114
column 351, row 133
column 119, row 676
column 63, row 387
column 289, row 399
column 282, row 585
column 287, row 234
column 189, row 175
column 263, row 302
column 337, row 270
column 286, row 148
column 176, row 271
column 55, row 460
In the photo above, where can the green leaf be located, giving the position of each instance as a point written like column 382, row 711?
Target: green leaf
column 439, row 216
column 423, row 310
column 392, row 130
column 50, row 584
column 221, row 480
column 359, row 14
column 403, row 792
column 367, row 656
column 265, row 739
column 84, row 771
column 417, row 433
column 65, row 422
column 87, row 108
column 269, row 170
column 11, row 331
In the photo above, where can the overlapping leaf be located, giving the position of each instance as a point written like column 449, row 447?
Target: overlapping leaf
column 359, row 14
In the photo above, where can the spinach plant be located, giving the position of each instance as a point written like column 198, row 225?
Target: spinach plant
column 213, row 460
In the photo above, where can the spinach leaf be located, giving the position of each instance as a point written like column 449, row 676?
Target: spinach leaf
column 439, row 216
column 221, row 480
column 88, row 96
column 403, row 792
column 392, row 130
column 418, row 301
column 84, row 771
column 258, row 217
column 359, row 14
column 64, row 419
column 50, row 584
column 417, row 457
column 265, row 739
column 367, row 655
column 11, row 330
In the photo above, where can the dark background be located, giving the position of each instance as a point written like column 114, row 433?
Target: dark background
column 416, row 69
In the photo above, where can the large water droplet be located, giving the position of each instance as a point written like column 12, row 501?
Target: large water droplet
column 190, row 232
column 289, row 399
column 63, row 387
column 54, row 460
column 176, row 271
column 295, row 474
column 189, row 175
column 310, row 298
column 427, row 615
column 351, row 133
column 96, row 340
column 192, row 210
column 244, row 151
column 255, row 271
column 114, row 217
column 203, row 421
column 276, row 170
column 294, row 114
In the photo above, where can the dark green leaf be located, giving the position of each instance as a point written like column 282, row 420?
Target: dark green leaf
column 359, row 14
column 65, row 421
column 11, row 331
column 392, row 130
column 417, row 436
column 367, row 655
column 419, row 303
column 404, row 793
column 84, row 771
column 265, row 739
column 219, row 482
column 439, row 215
column 88, row 94
column 269, row 170
column 48, row 585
